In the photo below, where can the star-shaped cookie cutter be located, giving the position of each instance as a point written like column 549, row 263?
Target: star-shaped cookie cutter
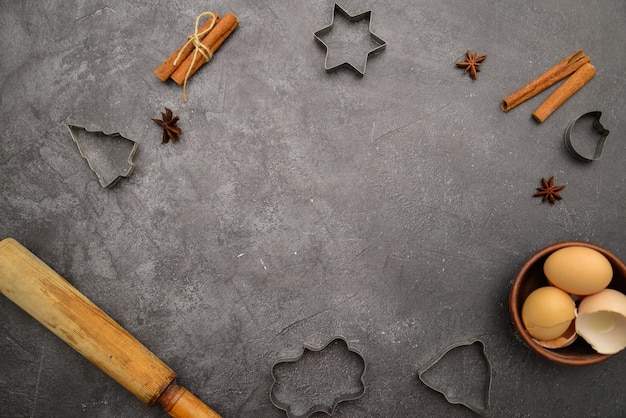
column 352, row 18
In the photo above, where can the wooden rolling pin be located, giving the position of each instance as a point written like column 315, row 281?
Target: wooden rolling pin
column 51, row 300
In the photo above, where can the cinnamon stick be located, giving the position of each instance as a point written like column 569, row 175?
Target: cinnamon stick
column 555, row 74
column 564, row 92
column 213, row 41
column 165, row 70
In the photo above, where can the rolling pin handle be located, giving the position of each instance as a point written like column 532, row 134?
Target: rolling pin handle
column 178, row 402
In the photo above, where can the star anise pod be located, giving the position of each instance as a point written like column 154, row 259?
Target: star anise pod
column 549, row 191
column 168, row 123
column 472, row 63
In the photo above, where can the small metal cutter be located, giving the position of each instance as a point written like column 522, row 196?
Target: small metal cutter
column 483, row 410
column 295, row 410
column 365, row 15
column 597, row 127
column 109, row 155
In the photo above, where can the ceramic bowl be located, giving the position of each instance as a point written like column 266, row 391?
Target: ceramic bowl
column 530, row 277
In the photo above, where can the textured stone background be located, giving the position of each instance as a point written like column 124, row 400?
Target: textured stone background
column 392, row 209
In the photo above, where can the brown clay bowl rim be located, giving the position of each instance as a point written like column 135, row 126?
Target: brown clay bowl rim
column 515, row 307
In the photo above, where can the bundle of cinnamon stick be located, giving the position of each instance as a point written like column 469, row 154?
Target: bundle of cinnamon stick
column 577, row 65
column 183, row 63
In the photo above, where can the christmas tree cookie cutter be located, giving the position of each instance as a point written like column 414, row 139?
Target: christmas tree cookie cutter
column 352, row 18
column 109, row 155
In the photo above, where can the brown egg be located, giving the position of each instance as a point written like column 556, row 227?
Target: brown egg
column 578, row 270
column 547, row 313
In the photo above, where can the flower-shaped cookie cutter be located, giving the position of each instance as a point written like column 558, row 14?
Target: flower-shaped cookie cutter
column 597, row 127
column 483, row 410
column 291, row 408
column 352, row 18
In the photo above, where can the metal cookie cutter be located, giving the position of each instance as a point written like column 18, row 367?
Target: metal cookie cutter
column 327, row 365
column 365, row 15
column 452, row 396
column 110, row 156
column 597, row 127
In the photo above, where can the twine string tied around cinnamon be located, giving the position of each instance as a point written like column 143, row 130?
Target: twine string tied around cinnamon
column 199, row 48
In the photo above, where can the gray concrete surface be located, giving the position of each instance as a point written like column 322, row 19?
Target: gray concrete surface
column 392, row 209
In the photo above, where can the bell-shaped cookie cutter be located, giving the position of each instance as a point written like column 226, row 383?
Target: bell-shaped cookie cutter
column 486, row 411
column 327, row 409
column 599, row 129
column 108, row 172
column 352, row 18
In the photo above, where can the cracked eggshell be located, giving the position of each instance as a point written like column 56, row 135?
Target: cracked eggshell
column 547, row 313
column 601, row 321
column 578, row 270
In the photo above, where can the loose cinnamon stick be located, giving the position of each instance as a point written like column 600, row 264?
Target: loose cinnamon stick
column 166, row 69
column 547, row 79
column 564, row 92
column 213, row 41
